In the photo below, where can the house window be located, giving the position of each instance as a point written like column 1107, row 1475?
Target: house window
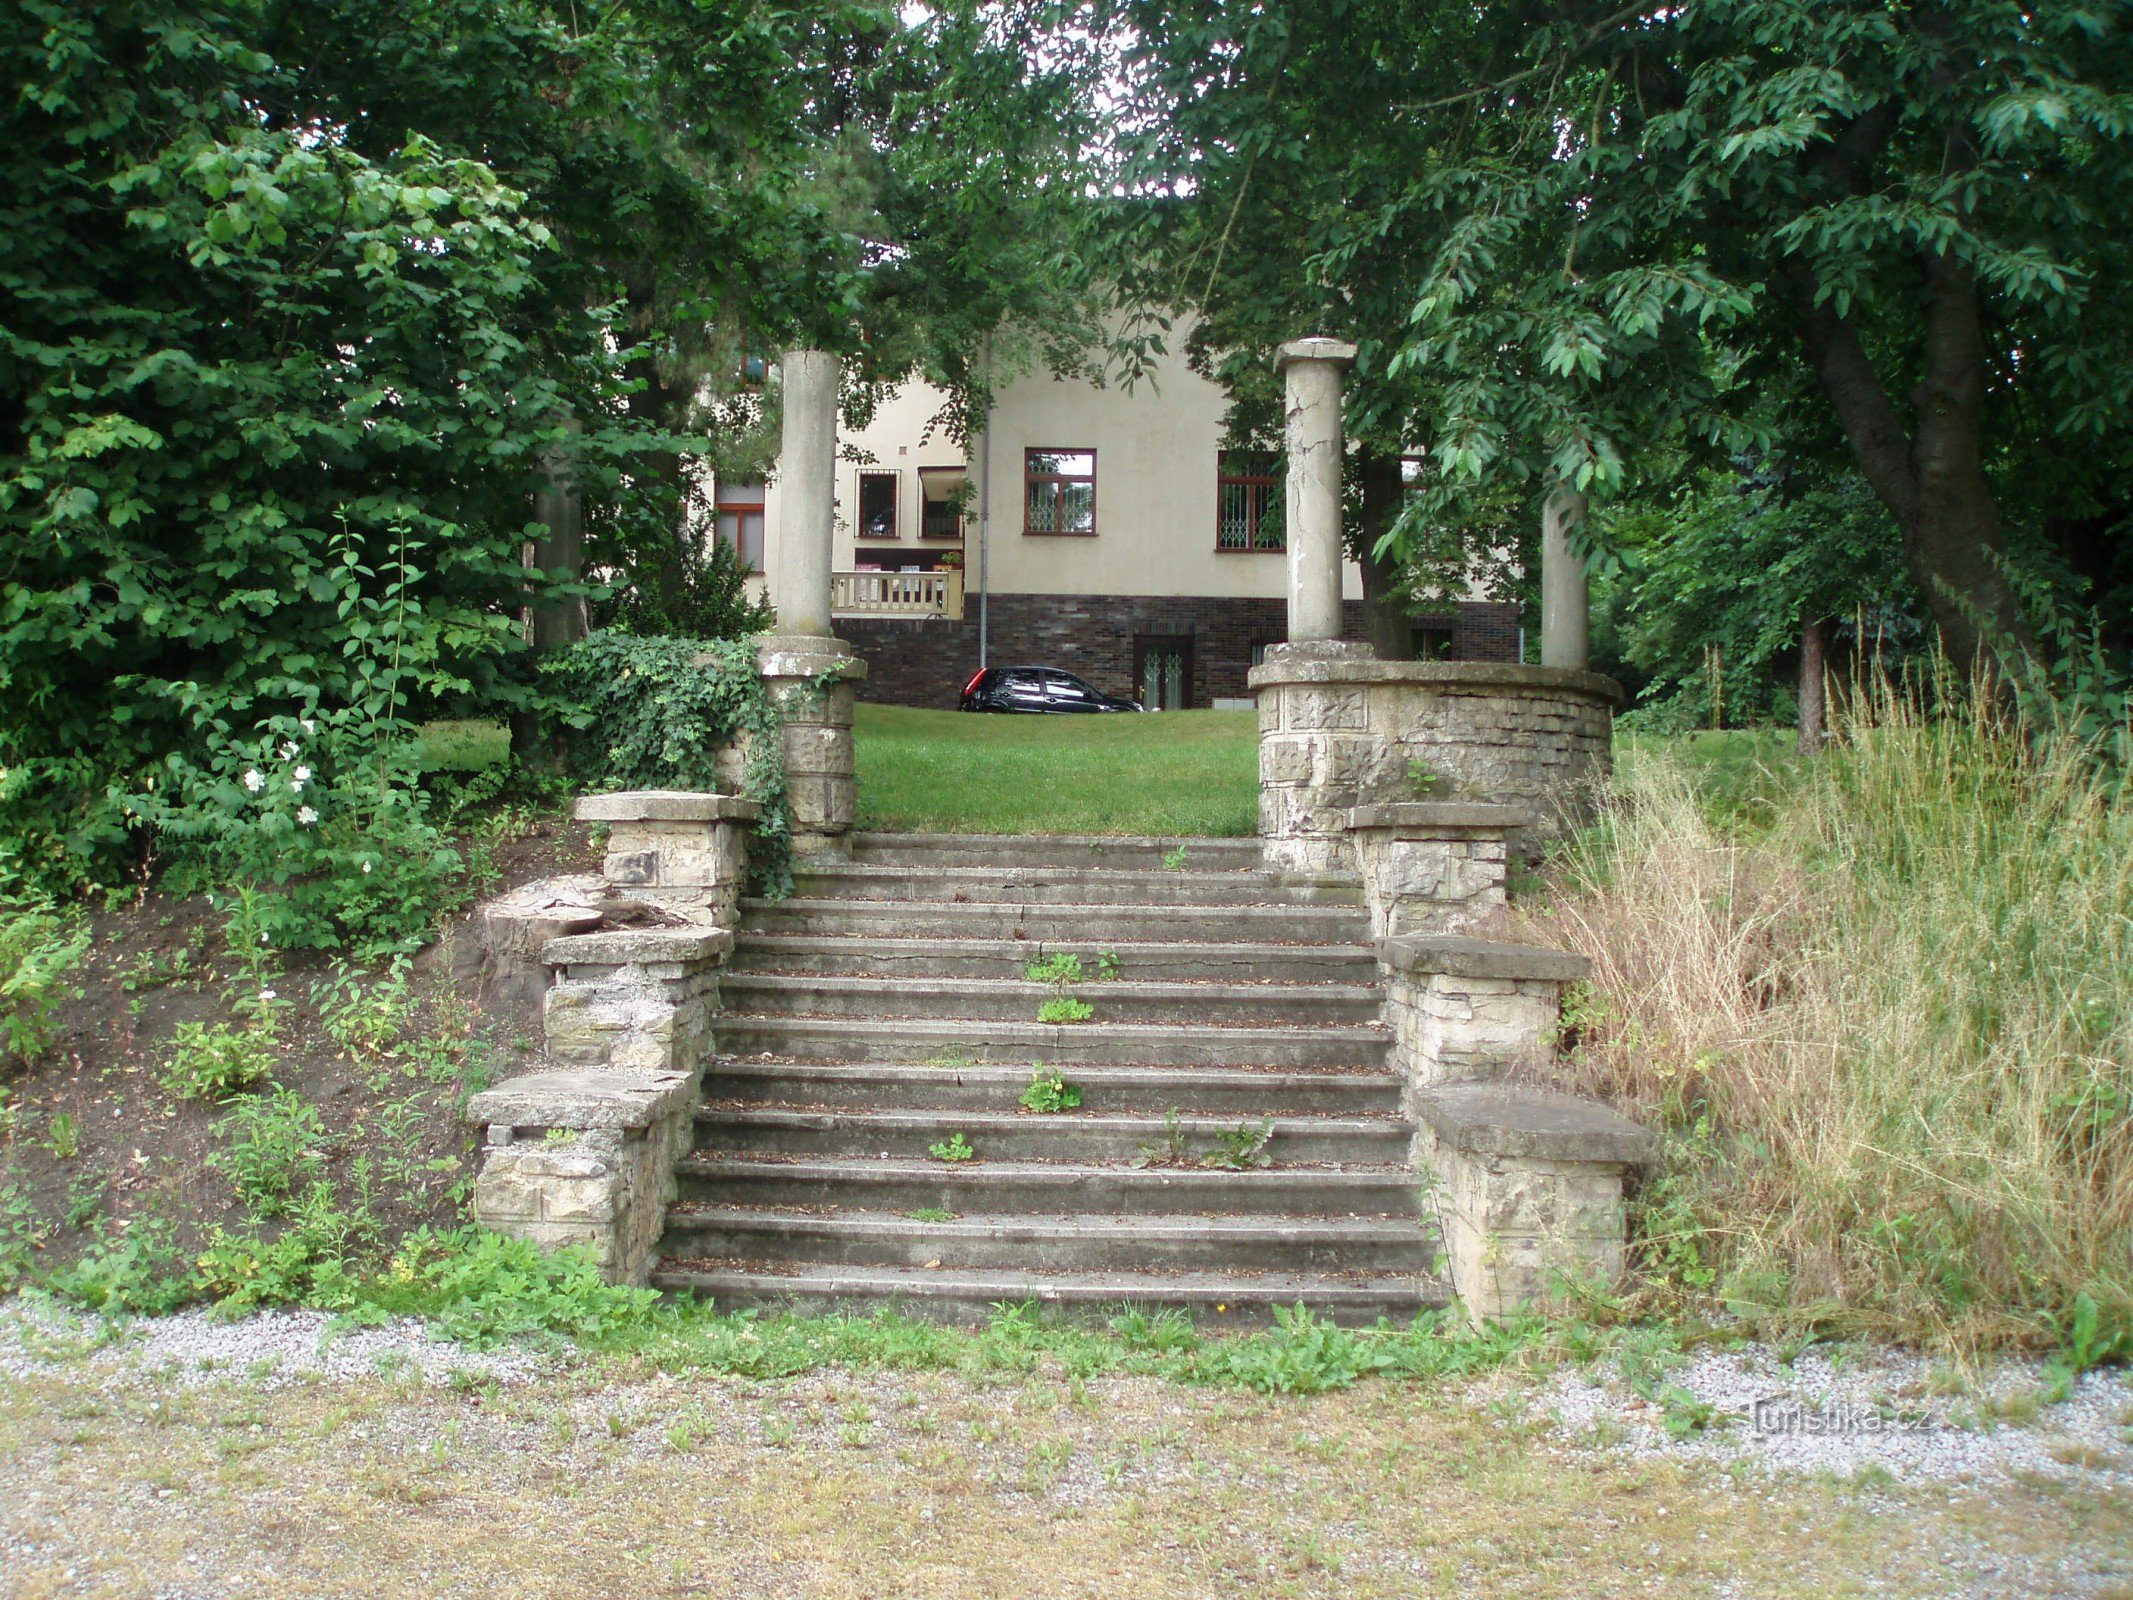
column 1248, row 509
column 1059, row 491
column 1414, row 472
column 738, row 522
column 1434, row 640
column 877, row 505
column 942, row 492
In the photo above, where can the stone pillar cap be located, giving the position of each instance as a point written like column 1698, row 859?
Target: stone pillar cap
column 1315, row 350
column 1458, row 816
column 1512, row 1120
column 666, row 805
column 582, row 1097
column 638, row 947
column 1477, row 958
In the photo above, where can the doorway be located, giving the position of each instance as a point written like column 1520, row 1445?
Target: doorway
column 1162, row 671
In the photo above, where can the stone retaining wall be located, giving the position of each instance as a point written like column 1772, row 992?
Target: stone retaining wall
column 1432, row 867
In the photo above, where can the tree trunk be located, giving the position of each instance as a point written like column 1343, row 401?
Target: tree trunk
column 1814, row 684
column 1387, row 622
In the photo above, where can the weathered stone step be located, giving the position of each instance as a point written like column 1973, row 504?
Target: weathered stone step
column 1009, row 1000
column 1025, row 1186
column 1213, row 1299
column 1056, row 1243
column 1025, row 1136
column 1083, row 886
column 1101, row 924
column 1210, row 1091
column 960, row 1043
column 1149, row 961
column 1051, row 850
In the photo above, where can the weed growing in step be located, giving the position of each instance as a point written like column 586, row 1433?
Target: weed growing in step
column 1174, row 860
column 1173, row 1150
column 215, row 1061
column 1241, row 1148
column 1062, row 970
column 930, row 1214
column 953, row 1148
column 1107, row 965
column 1049, row 1093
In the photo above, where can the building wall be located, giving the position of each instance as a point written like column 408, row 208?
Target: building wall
column 926, row 663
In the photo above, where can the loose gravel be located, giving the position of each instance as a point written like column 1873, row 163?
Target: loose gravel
column 267, row 1351
column 1854, row 1414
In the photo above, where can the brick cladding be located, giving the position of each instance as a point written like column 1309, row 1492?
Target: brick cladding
column 927, row 662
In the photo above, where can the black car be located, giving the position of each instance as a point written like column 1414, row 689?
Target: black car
column 1037, row 689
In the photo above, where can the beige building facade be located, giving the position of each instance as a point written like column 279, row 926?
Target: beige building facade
column 1100, row 529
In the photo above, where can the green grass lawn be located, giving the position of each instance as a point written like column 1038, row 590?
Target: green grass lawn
column 1171, row 772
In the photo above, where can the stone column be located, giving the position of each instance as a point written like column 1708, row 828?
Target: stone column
column 807, row 494
column 1313, row 368
column 1566, row 588
column 810, row 672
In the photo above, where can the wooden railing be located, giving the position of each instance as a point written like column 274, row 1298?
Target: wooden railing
column 897, row 594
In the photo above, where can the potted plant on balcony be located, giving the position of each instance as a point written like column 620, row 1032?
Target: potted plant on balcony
column 949, row 561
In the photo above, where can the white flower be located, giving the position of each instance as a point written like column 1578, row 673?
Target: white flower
column 307, row 724
column 366, row 866
column 300, row 777
column 266, row 994
column 253, row 780
column 306, row 815
column 288, row 750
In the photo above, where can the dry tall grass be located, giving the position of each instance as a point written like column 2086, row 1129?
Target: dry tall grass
column 1891, row 1033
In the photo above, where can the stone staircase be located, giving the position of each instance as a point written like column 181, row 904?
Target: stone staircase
column 885, row 1007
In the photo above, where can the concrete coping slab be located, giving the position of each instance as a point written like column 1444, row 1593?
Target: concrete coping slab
column 1429, row 817
column 1471, row 958
column 666, row 805
column 583, row 1098
column 1315, row 349
column 1512, row 1120
column 1451, row 677
column 638, row 947
column 807, row 655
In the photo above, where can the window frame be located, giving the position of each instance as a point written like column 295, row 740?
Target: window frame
column 896, row 507
column 1271, row 482
column 961, row 532
column 740, row 511
column 1030, row 478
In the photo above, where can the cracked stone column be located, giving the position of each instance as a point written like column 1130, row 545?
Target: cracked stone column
column 1312, row 369
column 810, row 672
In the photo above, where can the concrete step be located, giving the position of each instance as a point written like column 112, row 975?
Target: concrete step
column 970, row 1296
column 1056, row 1243
column 1050, row 850
column 1007, row 1000
column 1024, row 885
column 1013, row 1135
column 986, row 1187
column 1205, row 1091
column 1154, row 962
column 961, row 1043
column 1104, row 925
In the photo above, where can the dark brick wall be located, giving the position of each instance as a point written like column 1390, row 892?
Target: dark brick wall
column 926, row 663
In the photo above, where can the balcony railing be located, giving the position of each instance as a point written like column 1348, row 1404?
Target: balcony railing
column 897, row 594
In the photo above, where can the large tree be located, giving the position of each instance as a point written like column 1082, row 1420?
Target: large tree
column 1579, row 228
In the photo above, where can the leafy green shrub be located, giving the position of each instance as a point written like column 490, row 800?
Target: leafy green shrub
column 134, row 1272
column 655, row 713
column 313, row 1260
column 271, row 1145
column 483, row 1289
column 38, row 948
column 22, row 1231
column 212, row 1061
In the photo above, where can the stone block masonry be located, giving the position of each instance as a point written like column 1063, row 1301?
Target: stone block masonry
column 813, row 682
column 927, row 662
column 1336, row 733
column 685, row 853
column 1529, row 1193
column 637, row 998
column 584, row 1158
column 1465, row 1010
column 1432, row 867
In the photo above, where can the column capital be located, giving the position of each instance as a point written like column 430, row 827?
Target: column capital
column 1335, row 350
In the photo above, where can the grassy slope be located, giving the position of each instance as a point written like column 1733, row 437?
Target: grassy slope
column 1177, row 772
